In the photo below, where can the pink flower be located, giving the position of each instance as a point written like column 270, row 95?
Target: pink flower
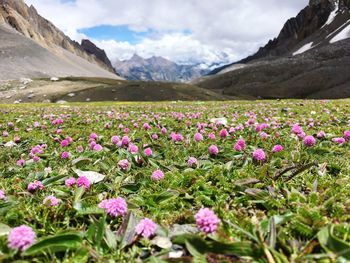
column 309, row 141
column 148, row 152
column 340, row 140
column 64, row 143
column 65, row 155
column 2, row 195
column 21, row 237
column 155, row 136
column 124, row 164
column 70, row 181
column 296, row 129
column 146, row 126
column 240, row 145
column 347, row 135
column 163, row 130
column 198, row 137
column 133, row 148
column 93, row 136
column 83, row 181
column 157, row 175
column 115, row 139
column 36, row 185
column 259, row 155
column 192, row 161
column 321, row 134
column 211, row 136
column 114, row 207
column 146, row 228
column 51, row 201
column 21, row 162
column 223, row 133
column 277, row 148
column 206, row 220
column 98, row 148
column 125, row 140
column 213, row 150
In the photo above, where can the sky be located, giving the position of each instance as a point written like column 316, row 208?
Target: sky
column 184, row 31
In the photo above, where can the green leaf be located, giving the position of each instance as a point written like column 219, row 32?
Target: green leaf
column 100, row 230
column 57, row 243
column 166, row 195
column 51, row 180
column 127, row 229
column 331, row 243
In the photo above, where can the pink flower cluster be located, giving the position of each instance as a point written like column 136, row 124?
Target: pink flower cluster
column 157, row 175
column 114, row 207
column 83, row 181
column 51, row 201
column 36, row 185
column 21, row 237
column 206, row 220
column 146, row 228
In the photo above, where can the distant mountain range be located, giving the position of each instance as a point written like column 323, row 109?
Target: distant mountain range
column 158, row 69
column 32, row 46
column 310, row 58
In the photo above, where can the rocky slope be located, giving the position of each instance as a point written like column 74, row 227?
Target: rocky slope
column 39, row 34
column 309, row 59
column 157, row 69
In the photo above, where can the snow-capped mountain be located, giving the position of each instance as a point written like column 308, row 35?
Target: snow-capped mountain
column 159, row 69
column 309, row 58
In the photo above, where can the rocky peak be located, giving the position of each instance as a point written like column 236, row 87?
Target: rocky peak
column 92, row 49
column 28, row 22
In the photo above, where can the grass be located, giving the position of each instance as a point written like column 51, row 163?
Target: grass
column 293, row 207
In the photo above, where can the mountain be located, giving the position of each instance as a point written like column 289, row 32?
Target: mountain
column 32, row 46
column 310, row 58
column 157, row 69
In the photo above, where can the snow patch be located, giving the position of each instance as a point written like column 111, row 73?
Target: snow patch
column 332, row 15
column 303, row 49
column 344, row 34
column 232, row 68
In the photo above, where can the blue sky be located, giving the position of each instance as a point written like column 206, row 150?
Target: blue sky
column 181, row 30
column 117, row 33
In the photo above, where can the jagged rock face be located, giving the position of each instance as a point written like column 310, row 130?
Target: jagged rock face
column 28, row 22
column 92, row 49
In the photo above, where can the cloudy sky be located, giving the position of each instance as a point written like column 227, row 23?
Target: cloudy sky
column 181, row 30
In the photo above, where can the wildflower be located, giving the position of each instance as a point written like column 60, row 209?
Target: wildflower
column 213, row 150
column 240, row 145
column 64, row 143
column 163, row 130
column 211, row 136
column 223, row 133
column 148, row 152
column 133, row 148
column 83, row 181
column 146, row 126
column 21, row 237
column 321, row 134
column 309, row 141
column 114, row 206
column 192, row 161
column 97, row 148
column 277, row 148
column 51, row 201
column 125, row 140
column 206, row 220
column 347, row 135
column 65, row 155
column 115, row 139
column 259, row 155
column 198, row 137
column 124, row 164
column 36, row 185
column 70, row 181
column 2, row 195
column 93, row 136
column 21, row 162
column 296, row 129
column 146, row 228
column 157, row 175
column 340, row 140
column 155, row 136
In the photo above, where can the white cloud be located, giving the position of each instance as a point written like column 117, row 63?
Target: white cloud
column 237, row 27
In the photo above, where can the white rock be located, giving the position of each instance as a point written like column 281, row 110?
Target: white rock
column 71, row 94
column 54, row 79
